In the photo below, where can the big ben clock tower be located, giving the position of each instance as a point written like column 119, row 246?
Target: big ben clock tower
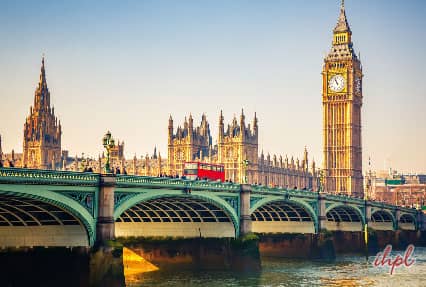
column 342, row 101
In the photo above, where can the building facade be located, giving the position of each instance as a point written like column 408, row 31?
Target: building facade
column 395, row 188
column 187, row 144
column 42, row 130
column 342, row 101
column 236, row 144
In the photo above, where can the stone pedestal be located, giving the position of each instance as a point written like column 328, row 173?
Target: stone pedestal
column 105, row 218
column 397, row 216
column 245, row 219
column 322, row 218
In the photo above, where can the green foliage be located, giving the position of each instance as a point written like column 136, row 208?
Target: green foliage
column 249, row 236
column 247, row 241
column 113, row 244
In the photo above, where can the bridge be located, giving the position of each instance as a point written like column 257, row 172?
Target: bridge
column 62, row 208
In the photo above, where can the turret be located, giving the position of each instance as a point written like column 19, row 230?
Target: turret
column 305, row 159
column 242, row 125
column 190, row 123
column 221, row 127
column 185, row 125
column 154, row 155
column 170, row 128
column 255, row 126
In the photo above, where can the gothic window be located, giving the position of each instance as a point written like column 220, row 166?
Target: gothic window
column 229, row 153
column 180, row 155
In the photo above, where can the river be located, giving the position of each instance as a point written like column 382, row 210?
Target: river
column 346, row 270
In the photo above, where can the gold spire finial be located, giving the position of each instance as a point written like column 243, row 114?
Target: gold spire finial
column 343, row 4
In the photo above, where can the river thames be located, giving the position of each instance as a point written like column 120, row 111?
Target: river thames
column 346, row 270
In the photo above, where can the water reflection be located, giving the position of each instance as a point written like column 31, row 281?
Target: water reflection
column 135, row 266
column 345, row 271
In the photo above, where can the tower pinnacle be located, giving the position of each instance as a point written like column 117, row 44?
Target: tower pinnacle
column 342, row 22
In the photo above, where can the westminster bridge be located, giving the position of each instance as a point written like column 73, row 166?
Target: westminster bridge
column 61, row 208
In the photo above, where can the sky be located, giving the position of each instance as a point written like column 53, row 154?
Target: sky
column 125, row 66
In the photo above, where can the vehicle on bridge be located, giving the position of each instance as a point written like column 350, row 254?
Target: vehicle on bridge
column 202, row 170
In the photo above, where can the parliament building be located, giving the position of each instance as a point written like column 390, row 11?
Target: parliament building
column 236, row 143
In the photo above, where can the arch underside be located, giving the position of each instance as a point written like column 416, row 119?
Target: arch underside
column 343, row 218
column 282, row 217
column 174, row 216
column 382, row 220
column 407, row 222
column 32, row 222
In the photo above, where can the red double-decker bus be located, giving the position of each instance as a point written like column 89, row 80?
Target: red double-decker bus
column 201, row 170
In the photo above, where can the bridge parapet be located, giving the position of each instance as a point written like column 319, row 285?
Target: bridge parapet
column 36, row 176
column 160, row 182
column 344, row 199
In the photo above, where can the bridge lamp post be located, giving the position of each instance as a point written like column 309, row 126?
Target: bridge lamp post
column 321, row 181
column 108, row 143
column 245, row 164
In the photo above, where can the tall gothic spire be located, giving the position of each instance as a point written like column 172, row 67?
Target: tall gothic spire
column 43, row 72
column 42, row 95
column 342, row 22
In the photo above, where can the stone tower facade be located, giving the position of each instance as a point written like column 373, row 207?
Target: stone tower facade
column 342, row 101
column 42, row 131
column 187, row 144
column 238, row 143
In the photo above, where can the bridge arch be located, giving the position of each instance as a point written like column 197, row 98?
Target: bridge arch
column 278, row 215
column 407, row 221
column 174, row 213
column 39, row 217
column 382, row 220
column 342, row 217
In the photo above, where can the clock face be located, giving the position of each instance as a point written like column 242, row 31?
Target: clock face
column 336, row 83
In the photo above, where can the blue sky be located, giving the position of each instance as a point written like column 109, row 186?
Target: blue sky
column 126, row 65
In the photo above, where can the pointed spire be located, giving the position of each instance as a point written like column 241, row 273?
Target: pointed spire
column 342, row 22
column 221, row 118
column 42, row 82
column 155, row 152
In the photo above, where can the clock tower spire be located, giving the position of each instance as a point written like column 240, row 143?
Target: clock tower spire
column 342, row 101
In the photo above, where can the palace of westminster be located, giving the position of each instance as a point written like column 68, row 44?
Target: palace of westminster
column 237, row 141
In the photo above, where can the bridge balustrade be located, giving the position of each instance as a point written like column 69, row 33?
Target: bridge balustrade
column 237, row 209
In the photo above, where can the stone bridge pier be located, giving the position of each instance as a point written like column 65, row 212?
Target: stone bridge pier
column 322, row 218
column 245, row 217
column 105, row 229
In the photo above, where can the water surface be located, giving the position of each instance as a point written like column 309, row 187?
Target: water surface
column 346, row 270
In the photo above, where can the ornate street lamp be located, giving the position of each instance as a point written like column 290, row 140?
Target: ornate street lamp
column 321, row 181
column 245, row 164
column 108, row 143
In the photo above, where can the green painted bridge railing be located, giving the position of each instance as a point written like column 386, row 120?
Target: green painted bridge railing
column 73, row 178
column 38, row 176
